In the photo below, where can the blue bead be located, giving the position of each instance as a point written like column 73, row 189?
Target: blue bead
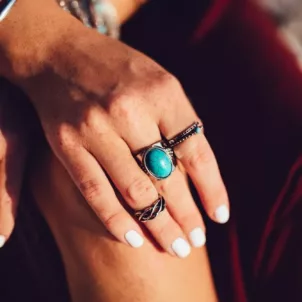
column 102, row 29
column 159, row 163
column 198, row 130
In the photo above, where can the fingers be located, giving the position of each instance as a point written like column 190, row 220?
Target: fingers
column 98, row 192
column 138, row 191
column 199, row 161
column 183, row 213
column 182, row 207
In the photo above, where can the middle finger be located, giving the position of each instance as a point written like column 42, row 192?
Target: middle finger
column 137, row 189
column 174, row 189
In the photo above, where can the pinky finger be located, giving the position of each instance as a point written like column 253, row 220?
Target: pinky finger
column 99, row 194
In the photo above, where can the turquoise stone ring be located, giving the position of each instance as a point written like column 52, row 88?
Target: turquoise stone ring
column 157, row 161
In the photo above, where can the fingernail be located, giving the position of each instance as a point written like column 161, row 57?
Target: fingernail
column 222, row 214
column 2, row 241
column 134, row 239
column 181, row 248
column 198, row 237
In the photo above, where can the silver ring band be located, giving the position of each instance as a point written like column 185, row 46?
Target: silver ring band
column 194, row 129
column 151, row 211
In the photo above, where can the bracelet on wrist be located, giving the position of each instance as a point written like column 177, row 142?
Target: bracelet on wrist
column 5, row 7
column 106, row 18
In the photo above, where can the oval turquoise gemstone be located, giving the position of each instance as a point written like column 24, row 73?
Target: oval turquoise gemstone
column 159, row 163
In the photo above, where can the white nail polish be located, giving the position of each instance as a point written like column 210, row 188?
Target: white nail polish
column 134, row 239
column 181, row 248
column 198, row 237
column 222, row 214
column 2, row 241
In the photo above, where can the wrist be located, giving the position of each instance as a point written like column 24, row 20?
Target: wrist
column 27, row 34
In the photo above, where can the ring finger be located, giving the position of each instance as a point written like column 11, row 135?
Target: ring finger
column 137, row 189
column 174, row 188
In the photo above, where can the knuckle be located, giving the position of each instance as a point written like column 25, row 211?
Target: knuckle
column 190, row 219
column 121, row 106
column 165, row 84
column 64, row 137
column 141, row 191
column 110, row 220
column 167, row 80
column 162, row 230
column 164, row 186
column 91, row 190
column 199, row 157
column 92, row 119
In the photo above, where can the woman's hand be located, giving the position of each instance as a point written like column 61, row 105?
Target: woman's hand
column 99, row 101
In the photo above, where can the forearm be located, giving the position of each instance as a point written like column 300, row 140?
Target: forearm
column 26, row 35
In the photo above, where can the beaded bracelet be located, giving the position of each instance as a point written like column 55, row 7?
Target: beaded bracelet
column 105, row 13
column 5, row 7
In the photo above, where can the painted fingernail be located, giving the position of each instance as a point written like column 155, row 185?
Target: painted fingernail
column 198, row 237
column 134, row 239
column 181, row 248
column 222, row 214
column 2, row 241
